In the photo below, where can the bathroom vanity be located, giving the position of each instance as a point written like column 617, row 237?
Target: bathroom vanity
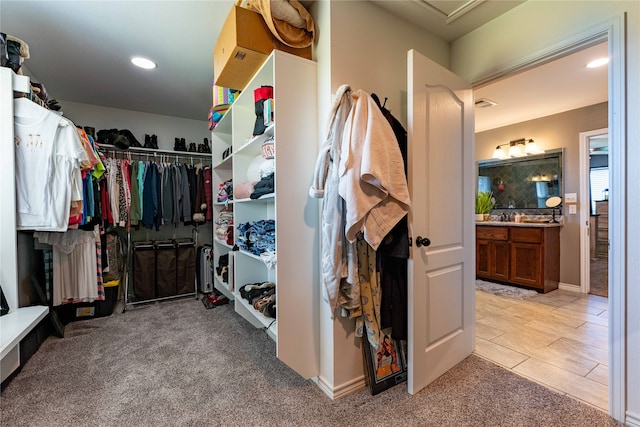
column 523, row 254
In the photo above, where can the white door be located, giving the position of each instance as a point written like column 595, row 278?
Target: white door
column 441, row 176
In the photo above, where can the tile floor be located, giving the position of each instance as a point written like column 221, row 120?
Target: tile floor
column 558, row 339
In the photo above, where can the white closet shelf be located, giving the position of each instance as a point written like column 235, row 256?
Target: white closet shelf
column 223, row 287
column 254, row 144
column 267, row 322
column 141, row 150
column 249, row 254
column 225, row 163
column 223, row 243
column 17, row 324
column 264, row 198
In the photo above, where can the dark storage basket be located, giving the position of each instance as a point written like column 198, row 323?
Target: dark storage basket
column 185, row 267
column 144, row 270
column 165, row 268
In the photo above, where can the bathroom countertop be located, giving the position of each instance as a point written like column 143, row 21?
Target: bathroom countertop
column 519, row 224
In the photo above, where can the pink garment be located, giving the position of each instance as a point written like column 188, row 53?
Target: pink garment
column 208, row 194
column 372, row 179
column 244, row 190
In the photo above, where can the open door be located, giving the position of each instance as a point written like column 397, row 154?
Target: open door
column 441, row 177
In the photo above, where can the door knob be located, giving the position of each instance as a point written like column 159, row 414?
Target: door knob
column 422, row 241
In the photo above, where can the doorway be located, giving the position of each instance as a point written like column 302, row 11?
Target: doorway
column 564, row 361
column 594, row 214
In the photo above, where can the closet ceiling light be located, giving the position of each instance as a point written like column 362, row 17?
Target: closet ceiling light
column 145, row 63
column 598, row 63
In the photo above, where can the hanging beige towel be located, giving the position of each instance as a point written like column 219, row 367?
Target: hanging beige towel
column 288, row 20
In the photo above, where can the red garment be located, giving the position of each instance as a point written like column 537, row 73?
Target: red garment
column 105, row 203
column 208, row 194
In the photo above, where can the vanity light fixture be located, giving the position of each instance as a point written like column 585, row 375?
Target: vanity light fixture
column 532, row 148
column 517, row 148
column 145, row 63
column 499, row 153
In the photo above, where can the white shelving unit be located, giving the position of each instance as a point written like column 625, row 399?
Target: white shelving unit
column 20, row 320
column 295, row 214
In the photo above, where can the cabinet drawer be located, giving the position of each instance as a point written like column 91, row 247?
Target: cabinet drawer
column 526, row 235
column 492, row 233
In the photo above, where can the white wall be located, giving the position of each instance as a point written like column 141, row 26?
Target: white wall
column 165, row 127
column 538, row 26
column 364, row 46
column 369, row 51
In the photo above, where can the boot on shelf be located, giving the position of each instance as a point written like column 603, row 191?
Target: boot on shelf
column 91, row 131
column 176, row 144
column 133, row 142
column 192, row 147
column 207, row 147
column 154, row 142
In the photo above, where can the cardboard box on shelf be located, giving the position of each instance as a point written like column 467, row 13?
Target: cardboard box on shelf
column 242, row 47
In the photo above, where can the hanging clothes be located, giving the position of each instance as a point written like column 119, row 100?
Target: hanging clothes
column 393, row 253
column 75, row 276
column 49, row 159
column 371, row 170
column 338, row 255
column 361, row 175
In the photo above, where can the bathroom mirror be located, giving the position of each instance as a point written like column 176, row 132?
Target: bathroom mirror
column 523, row 182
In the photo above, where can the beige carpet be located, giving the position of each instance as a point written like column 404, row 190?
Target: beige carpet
column 179, row 364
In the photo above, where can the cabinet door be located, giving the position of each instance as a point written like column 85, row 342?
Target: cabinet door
column 483, row 258
column 500, row 260
column 526, row 265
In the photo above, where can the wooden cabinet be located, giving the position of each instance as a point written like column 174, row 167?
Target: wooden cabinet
column 524, row 256
column 492, row 253
column 239, row 153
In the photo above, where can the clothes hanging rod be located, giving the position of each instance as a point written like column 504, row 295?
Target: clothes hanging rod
column 151, row 151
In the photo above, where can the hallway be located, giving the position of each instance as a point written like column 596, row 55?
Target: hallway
column 558, row 339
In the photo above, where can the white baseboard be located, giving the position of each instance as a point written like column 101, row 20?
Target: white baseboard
column 569, row 287
column 341, row 390
column 632, row 419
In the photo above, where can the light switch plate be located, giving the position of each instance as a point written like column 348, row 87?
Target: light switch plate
column 572, row 209
column 571, row 198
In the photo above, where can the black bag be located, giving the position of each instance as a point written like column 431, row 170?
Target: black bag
column 4, row 56
column 4, row 306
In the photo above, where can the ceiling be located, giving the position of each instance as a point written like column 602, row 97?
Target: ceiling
column 80, row 51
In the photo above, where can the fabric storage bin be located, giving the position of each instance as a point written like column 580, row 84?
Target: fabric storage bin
column 185, row 266
column 144, row 270
column 165, row 268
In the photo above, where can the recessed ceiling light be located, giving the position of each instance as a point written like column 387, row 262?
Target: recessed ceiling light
column 141, row 62
column 598, row 63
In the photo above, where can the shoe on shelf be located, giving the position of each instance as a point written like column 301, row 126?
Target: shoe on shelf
column 147, row 141
column 154, row 142
column 192, row 147
column 133, row 142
